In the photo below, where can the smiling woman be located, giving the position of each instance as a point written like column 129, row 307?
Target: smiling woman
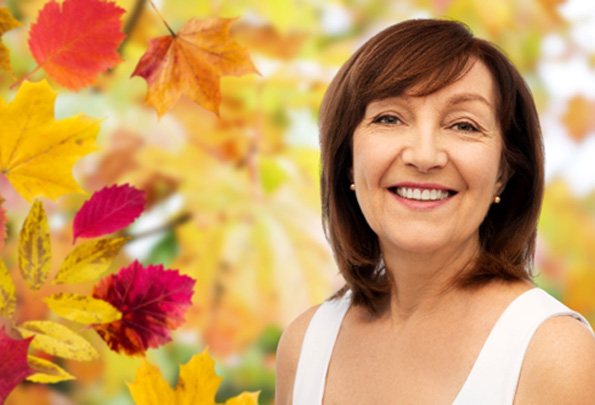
column 432, row 180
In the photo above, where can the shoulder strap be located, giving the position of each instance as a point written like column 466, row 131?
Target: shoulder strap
column 494, row 376
column 317, row 347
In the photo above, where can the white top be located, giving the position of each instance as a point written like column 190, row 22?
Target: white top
column 495, row 373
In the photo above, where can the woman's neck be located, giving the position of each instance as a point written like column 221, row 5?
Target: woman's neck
column 423, row 282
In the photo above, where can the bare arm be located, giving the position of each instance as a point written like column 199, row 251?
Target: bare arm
column 559, row 366
column 288, row 353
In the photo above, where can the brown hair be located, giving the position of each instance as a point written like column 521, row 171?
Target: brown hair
column 430, row 55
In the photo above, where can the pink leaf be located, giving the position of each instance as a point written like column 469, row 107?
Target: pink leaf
column 152, row 301
column 2, row 223
column 109, row 210
column 13, row 363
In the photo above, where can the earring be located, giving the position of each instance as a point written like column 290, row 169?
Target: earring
column 352, row 187
column 497, row 199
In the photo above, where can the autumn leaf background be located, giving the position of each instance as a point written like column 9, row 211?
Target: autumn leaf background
column 231, row 182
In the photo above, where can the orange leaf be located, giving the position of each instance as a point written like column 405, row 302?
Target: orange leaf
column 579, row 117
column 77, row 40
column 192, row 62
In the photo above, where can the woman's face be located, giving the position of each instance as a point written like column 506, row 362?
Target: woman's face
column 426, row 169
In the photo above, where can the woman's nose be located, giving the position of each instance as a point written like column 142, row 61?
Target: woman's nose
column 424, row 152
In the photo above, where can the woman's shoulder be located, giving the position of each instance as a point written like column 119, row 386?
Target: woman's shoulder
column 288, row 354
column 559, row 365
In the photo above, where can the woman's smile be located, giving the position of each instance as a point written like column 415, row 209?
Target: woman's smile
column 420, row 196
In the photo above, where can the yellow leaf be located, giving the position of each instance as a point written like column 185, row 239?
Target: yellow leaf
column 46, row 371
column 8, row 298
column 37, row 151
column 197, row 384
column 7, row 22
column 82, row 309
column 192, row 63
column 149, row 387
column 58, row 340
column 89, row 260
column 34, row 247
column 245, row 398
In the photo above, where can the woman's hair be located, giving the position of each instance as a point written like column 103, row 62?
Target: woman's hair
column 428, row 55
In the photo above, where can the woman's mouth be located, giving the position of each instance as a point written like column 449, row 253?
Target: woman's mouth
column 422, row 194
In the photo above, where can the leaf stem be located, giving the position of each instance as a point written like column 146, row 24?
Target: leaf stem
column 22, row 79
column 173, row 34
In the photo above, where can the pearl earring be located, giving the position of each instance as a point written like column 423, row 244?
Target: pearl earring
column 497, row 199
column 352, row 187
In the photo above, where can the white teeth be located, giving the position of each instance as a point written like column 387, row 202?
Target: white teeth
column 421, row 194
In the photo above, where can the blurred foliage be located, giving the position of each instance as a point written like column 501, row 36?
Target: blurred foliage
column 234, row 200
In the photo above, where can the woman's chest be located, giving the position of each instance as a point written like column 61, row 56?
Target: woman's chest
column 421, row 367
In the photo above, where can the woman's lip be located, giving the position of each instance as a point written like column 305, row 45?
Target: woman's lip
column 421, row 205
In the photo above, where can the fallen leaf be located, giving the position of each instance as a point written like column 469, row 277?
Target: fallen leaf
column 47, row 372
column 108, row 210
column 7, row 22
column 37, row 151
column 58, row 340
column 8, row 300
column 152, row 301
column 34, row 247
column 82, row 309
column 13, row 363
column 192, row 63
column 89, row 261
column 197, row 384
column 76, row 40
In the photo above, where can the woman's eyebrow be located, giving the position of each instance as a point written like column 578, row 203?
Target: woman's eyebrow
column 468, row 97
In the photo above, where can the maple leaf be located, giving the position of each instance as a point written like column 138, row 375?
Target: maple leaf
column 7, row 22
column 13, row 363
column 37, row 151
column 197, row 384
column 191, row 62
column 152, row 301
column 77, row 40
column 108, row 210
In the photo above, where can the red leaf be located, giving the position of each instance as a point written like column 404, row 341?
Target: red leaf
column 152, row 301
column 77, row 40
column 108, row 210
column 13, row 363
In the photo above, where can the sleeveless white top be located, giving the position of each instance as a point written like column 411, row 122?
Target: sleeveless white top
column 495, row 373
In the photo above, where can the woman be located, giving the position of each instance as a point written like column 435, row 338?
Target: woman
column 432, row 180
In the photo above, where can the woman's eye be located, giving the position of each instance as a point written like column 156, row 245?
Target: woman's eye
column 465, row 127
column 386, row 119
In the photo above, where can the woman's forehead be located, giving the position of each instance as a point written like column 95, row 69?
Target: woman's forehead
column 476, row 86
